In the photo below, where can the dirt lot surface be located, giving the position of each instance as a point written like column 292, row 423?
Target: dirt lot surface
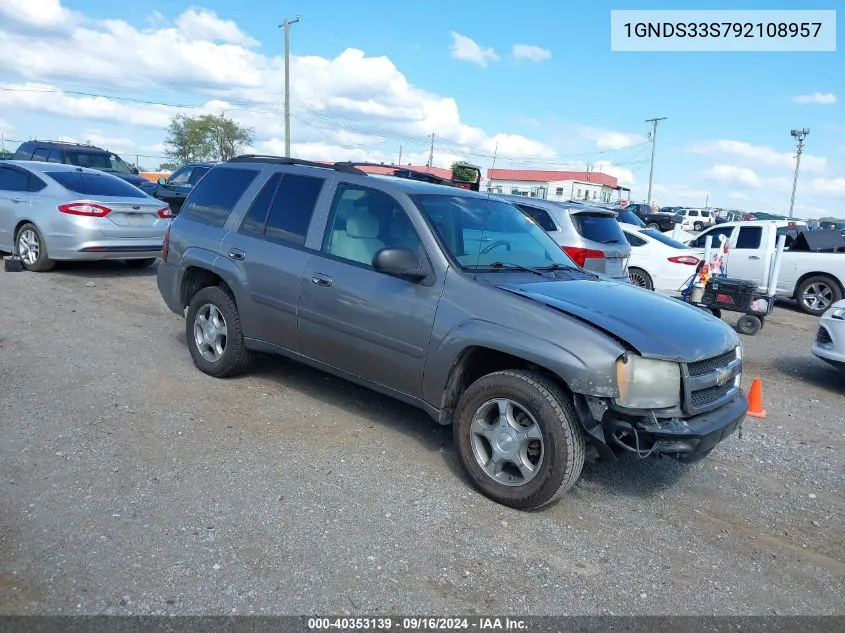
column 132, row 483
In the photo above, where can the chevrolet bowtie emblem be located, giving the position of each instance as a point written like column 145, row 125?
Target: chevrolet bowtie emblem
column 724, row 376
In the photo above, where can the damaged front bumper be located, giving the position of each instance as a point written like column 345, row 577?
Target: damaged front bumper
column 686, row 439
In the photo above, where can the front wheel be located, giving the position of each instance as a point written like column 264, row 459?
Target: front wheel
column 653, row 225
column 215, row 337
column 698, row 226
column 518, row 438
column 749, row 324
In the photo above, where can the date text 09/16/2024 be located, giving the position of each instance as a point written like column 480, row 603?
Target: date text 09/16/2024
column 416, row 624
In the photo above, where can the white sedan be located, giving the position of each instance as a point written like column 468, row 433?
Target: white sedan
column 657, row 261
column 830, row 337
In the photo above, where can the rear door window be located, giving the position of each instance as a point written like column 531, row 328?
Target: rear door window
column 749, row 237
column 598, row 228
column 12, row 180
column 212, row 200
column 55, row 156
column 41, row 154
column 291, row 211
column 88, row 184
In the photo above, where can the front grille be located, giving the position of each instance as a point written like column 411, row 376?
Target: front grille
column 823, row 336
column 702, row 367
column 702, row 378
column 700, row 399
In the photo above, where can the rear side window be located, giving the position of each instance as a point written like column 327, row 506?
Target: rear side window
column 598, row 228
column 256, row 216
column 24, row 152
column 212, row 200
column 749, row 237
column 664, row 239
column 55, row 156
column 291, row 211
column 88, row 184
column 40, row 154
column 540, row 217
column 635, row 240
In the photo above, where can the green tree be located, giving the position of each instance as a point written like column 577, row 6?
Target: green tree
column 461, row 171
column 168, row 166
column 207, row 137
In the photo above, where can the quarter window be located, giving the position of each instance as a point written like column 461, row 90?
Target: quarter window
column 212, row 200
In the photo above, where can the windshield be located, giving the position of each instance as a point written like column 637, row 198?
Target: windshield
column 93, row 184
column 628, row 217
column 665, row 239
column 478, row 232
column 100, row 161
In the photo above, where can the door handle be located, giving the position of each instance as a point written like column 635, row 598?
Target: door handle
column 753, row 257
column 18, row 200
column 321, row 280
column 237, row 254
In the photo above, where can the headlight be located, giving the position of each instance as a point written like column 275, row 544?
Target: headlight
column 838, row 313
column 645, row 383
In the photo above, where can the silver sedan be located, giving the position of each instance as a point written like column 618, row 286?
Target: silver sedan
column 51, row 212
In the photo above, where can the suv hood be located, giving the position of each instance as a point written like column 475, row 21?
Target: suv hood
column 655, row 325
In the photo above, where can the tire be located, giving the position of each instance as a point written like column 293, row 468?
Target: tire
column 698, row 226
column 748, row 324
column 643, row 279
column 561, row 441
column 140, row 263
column 653, row 225
column 821, row 292
column 235, row 357
column 34, row 242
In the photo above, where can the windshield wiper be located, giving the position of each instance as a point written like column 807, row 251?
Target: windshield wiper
column 517, row 267
column 559, row 267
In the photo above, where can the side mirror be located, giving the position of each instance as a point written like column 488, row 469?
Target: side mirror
column 162, row 181
column 400, row 262
column 136, row 171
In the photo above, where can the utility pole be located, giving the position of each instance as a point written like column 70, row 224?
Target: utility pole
column 400, row 156
column 799, row 136
column 286, row 26
column 431, row 153
column 653, row 136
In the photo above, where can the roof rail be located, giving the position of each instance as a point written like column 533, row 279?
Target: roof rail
column 280, row 160
column 403, row 172
column 41, row 140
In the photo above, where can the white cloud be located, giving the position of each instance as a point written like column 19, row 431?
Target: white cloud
column 820, row 98
column 759, row 154
column 734, row 174
column 465, row 49
column 530, row 52
column 202, row 24
column 37, row 15
column 828, row 186
column 6, row 127
column 624, row 176
column 610, row 139
column 736, row 195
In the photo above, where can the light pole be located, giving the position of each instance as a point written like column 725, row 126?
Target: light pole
column 286, row 26
column 799, row 136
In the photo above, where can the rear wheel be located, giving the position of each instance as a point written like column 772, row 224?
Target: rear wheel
column 698, row 226
column 653, row 225
column 215, row 337
column 140, row 263
column 641, row 278
column 816, row 294
column 518, row 438
column 32, row 250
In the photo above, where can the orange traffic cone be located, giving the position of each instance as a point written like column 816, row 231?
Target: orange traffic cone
column 755, row 399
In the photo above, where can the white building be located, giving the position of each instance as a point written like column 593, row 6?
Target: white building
column 557, row 185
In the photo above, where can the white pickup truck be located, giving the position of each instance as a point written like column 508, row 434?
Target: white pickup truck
column 815, row 279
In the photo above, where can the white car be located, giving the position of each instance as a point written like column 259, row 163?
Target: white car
column 657, row 261
column 830, row 337
column 696, row 219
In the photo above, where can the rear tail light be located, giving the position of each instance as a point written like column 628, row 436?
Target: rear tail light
column 165, row 213
column 684, row 259
column 165, row 245
column 581, row 255
column 88, row 209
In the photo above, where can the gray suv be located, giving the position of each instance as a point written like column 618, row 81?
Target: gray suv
column 452, row 301
column 590, row 235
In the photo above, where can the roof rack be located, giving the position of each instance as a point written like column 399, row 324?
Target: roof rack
column 403, row 172
column 280, row 160
column 41, row 140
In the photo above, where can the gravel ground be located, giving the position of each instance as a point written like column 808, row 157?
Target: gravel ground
column 132, row 483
